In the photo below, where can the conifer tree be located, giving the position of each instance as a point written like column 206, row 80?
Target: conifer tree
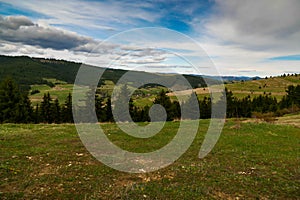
column 108, row 111
column 9, row 98
column 37, row 114
column 189, row 107
column 293, row 95
column 205, row 108
column 24, row 111
column 165, row 101
column 56, row 112
column 119, row 107
column 99, row 108
column 144, row 114
column 46, row 106
column 67, row 114
column 231, row 106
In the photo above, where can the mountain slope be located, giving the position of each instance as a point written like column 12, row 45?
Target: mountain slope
column 29, row 71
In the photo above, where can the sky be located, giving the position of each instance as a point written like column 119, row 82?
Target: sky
column 240, row 38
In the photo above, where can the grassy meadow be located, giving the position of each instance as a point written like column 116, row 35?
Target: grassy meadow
column 276, row 86
column 252, row 160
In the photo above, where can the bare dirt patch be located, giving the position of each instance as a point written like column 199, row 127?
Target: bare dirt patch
column 58, row 88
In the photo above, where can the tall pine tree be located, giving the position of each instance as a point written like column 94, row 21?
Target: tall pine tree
column 165, row 101
column 56, row 112
column 67, row 114
column 15, row 107
column 46, row 108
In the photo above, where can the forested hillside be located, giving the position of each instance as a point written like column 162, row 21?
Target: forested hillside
column 28, row 71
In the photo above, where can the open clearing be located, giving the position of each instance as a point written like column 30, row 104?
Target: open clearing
column 275, row 86
column 251, row 160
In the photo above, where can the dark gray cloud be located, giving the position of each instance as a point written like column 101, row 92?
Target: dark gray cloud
column 147, row 52
column 19, row 35
column 22, row 30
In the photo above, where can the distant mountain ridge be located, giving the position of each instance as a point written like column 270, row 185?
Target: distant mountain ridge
column 233, row 78
column 240, row 78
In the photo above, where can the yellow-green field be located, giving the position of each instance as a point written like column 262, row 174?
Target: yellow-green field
column 275, row 86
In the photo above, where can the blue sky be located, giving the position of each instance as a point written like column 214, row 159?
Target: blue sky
column 240, row 37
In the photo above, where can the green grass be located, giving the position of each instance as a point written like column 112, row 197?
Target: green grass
column 149, row 96
column 55, row 81
column 275, row 86
column 62, row 89
column 142, row 102
column 60, row 92
column 250, row 161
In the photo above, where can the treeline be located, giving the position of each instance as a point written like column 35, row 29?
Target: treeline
column 247, row 107
column 15, row 106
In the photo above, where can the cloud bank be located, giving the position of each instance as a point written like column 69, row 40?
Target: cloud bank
column 256, row 25
column 22, row 30
column 238, row 35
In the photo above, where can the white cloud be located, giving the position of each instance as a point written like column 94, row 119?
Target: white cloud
column 107, row 15
column 20, row 36
column 240, row 36
column 272, row 25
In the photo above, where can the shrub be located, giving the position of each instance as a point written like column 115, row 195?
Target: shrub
column 294, row 109
column 282, row 112
column 34, row 92
column 267, row 117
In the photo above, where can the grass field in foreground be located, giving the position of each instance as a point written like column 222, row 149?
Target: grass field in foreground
column 250, row 161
